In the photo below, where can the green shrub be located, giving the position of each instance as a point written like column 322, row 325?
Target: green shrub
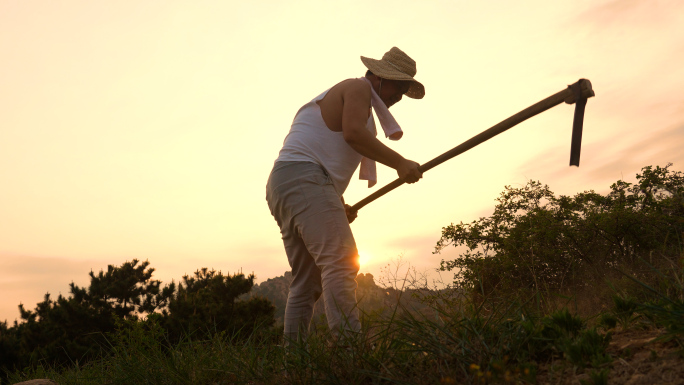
column 71, row 330
column 541, row 244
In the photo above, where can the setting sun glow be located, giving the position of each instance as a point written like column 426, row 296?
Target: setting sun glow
column 363, row 258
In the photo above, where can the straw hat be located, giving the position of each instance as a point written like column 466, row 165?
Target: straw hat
column 396, row 65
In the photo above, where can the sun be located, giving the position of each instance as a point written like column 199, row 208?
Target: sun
column 364, row 258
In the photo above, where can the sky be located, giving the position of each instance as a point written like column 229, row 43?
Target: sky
column 147, row 129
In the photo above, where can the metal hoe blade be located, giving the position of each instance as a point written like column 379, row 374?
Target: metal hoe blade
column 577, row 123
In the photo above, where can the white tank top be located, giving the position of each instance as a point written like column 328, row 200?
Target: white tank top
column 310, row 140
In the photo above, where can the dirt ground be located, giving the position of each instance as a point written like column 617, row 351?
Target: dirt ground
column 638, row 360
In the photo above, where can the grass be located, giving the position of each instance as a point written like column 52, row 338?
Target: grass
column 456, row 346
column 664, row 306
column 457, row 342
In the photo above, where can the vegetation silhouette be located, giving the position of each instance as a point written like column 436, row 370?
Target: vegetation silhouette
column 536, row 242
column 548, row 289
column 73, row 330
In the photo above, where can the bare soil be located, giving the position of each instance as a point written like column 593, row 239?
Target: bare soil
column 640, row 358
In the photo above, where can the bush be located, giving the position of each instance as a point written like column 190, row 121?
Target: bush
column 208, row 303
column 538, row 243
column 73, row 330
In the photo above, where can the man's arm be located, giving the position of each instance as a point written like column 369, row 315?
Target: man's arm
column 355, row 105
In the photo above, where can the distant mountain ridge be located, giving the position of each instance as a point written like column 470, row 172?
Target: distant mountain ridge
column 372, row 299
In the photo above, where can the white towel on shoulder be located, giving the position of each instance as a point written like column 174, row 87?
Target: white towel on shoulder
column 392, row 131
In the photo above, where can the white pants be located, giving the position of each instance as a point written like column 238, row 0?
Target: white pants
column 319, row 245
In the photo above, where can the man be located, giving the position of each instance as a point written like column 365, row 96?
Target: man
column 329, row 138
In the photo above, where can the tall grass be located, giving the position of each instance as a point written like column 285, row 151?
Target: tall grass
column 664, row 302
column 458, row 341
column 454, row 344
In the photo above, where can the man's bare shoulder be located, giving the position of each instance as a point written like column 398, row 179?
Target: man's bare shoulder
column 352, row 89
column 353, row 85
column 348, row 96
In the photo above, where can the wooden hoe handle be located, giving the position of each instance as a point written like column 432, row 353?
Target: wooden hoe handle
column 578, row 92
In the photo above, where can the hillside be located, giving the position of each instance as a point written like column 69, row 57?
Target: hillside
column 372, row 299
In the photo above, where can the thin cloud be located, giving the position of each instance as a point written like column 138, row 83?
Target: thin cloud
column 415, row 242
column 658, row 148
column 634, row 13
column 28, row 268
column 605, row 161
column 27, row 279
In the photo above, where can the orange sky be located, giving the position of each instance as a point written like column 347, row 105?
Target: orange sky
column 147, row 129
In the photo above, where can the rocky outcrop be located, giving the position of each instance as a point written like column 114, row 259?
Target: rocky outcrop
column 372, row 298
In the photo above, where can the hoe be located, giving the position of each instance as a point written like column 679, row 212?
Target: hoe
column 576, row 93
